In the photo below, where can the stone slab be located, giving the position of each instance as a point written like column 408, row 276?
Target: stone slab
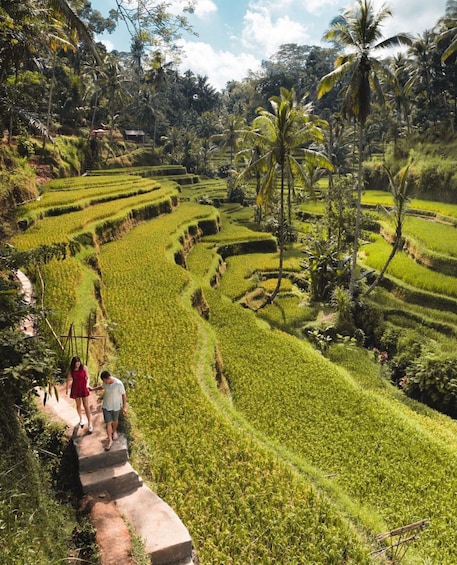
column 165, row 537
column 116, row 480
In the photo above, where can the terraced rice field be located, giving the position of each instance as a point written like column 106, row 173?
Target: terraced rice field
column 298, row 461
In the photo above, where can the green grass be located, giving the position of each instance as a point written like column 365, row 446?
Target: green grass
column 405, row 269
column 34, row 527
column 61, row 228
column 438, row 237
column 90, row 193
column 440, row 209
column 240, row 504
column 308, row 459
column 379, row 455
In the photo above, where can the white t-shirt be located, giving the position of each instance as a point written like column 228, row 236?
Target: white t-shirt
column 112, row 397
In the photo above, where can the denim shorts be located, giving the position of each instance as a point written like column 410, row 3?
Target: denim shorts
column 110, row 415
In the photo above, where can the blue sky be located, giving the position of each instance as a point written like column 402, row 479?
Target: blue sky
column 234, row 36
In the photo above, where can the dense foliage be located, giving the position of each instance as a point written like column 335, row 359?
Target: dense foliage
column 254, row 487
column 324, row 418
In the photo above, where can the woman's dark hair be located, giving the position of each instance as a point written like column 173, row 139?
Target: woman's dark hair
column 73, row 363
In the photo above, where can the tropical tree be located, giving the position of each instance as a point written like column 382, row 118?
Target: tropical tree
column 424, row 78
column 231, row 134
column 204, row 150
column 358, row 31
column 449, row 30
column 399, row 190
column 281, row 135
column 399, row 96
column 112, row 83
column 30, row 35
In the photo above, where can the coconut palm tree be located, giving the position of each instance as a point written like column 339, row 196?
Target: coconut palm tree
column 231, row 134
column 400, row 95
column 280, row 135
column 399, row 190
column 358, row 32
column 449, row 30
column 421, row 71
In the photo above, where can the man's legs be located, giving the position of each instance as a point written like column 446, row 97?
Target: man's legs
column 109, row 433
column 115, row 423
column 108, row 417
column 111, row 418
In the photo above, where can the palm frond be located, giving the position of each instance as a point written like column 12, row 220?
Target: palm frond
column 329, row 81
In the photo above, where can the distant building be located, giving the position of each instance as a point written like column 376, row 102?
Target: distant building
column 135, row 135
column 99, row 132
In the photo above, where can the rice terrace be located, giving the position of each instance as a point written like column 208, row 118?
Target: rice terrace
column 268, row 450
column 270, row 270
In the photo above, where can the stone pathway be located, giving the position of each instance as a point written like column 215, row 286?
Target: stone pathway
column 115, row 493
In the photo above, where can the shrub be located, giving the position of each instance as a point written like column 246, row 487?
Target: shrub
column 389, row 340
column 25, row 147
column 409, row 347
column 342, row 303
column 370, row 319
column 375, row 176
column 432, row 379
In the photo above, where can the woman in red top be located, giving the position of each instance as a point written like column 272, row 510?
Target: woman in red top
column 78, row 382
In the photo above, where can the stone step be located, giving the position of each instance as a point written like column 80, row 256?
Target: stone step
column 166, row 539
column 92, row 456
column 118, row 480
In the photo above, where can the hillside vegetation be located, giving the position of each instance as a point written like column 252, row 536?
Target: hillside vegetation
column 267, row 450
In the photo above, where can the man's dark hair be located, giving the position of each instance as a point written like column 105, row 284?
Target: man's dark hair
column 105, row 375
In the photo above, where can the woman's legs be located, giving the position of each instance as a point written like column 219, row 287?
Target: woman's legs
column 87, row 411
column 79, row 409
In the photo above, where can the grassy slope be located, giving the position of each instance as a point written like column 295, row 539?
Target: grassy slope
column 396, row 467
column 240, row 504
column 387, row 458
column 34, row 528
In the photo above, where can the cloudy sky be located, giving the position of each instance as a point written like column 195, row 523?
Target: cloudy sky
column 234, row 36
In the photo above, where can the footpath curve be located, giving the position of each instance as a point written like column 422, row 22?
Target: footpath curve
column 107, row 476
column 113, row 491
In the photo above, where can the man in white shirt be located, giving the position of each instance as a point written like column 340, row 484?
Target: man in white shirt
column 114, row 399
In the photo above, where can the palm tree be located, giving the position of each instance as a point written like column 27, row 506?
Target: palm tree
column 280, row 134
column 421, row 72
column 77, row 28
column 112, row 89
column 230, row 136
column 358, row 31
column 399, row 189
column 449, row 33
column 400, row 98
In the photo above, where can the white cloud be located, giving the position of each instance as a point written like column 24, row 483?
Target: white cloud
column 262, row 32
column 204, row 8
column 296, row 8
column 219, row 66
column 107, row 43
column 411, row 17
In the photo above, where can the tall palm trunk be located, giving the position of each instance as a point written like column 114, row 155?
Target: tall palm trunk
column 330, row 181
column 281, row 239
column 50, row 97
column 357, row 216
column 396, row 246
